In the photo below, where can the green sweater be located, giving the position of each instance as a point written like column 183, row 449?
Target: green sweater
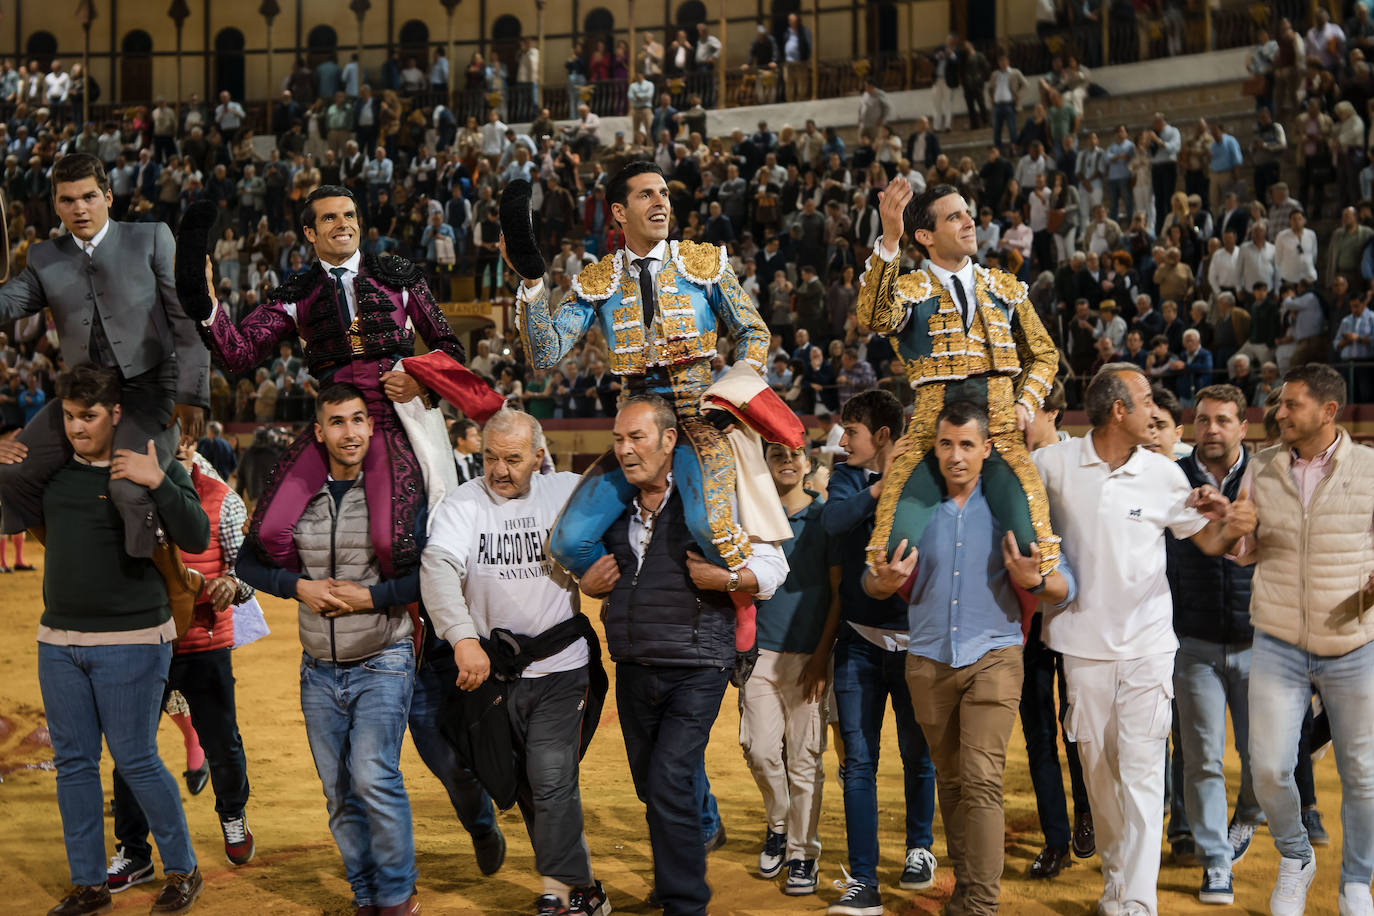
column 90, row 584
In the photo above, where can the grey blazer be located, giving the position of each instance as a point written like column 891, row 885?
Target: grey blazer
column 129, row 280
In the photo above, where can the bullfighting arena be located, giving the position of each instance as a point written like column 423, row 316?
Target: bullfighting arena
column 297, row 869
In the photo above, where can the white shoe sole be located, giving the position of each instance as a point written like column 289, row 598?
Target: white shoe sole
column 836, row 910
column 770, row 872
column 800, row 890
column 916, row 885
column 1220, row 898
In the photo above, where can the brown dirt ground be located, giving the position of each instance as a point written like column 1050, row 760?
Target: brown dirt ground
column 297, row 869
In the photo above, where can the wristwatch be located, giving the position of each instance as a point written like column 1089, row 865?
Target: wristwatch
column 1039, row 588
column 733, row 585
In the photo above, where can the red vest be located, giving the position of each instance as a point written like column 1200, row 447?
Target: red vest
column 209, row 630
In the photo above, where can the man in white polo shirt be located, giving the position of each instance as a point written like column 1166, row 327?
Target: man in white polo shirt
column 1110, row 500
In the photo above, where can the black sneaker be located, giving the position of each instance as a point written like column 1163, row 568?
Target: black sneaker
column 774, row 848
column 124, row 872
column 549, row 905
column 490, row 849
column 802, row 877
column 919, row 871
column 858, row 900
column 1312, row 823
column 84, row 901
column 589, row 901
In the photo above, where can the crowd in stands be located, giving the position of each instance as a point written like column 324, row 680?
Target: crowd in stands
column 1174, row 246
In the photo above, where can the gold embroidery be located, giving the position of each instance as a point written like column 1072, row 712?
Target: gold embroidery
column 1011, row 445
column 717, row 460
column 915, row 287
column 594, row 281
column 700, row 262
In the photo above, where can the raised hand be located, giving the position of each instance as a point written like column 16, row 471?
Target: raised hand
column 892, row 202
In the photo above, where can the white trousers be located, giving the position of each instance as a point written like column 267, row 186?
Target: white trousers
column 784, row 739
column 1120, row 716
column 1087, row 199
column 944, row 105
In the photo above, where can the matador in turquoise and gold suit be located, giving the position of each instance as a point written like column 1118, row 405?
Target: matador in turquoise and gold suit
column 699, row 300
column 1003, row 357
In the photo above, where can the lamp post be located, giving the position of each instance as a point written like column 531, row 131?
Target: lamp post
column 360, row 8
column 450, row 7
column 85, row 14
column 178, row 12
column 269, row 11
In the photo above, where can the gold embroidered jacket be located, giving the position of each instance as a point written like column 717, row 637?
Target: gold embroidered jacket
column 697, row 293
column 927, row 329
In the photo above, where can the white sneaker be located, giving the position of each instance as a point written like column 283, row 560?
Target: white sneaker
column 1290, row 890
column 1355, row 900
column 1109, row 904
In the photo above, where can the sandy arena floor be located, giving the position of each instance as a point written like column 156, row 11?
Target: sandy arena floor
column 297, row 869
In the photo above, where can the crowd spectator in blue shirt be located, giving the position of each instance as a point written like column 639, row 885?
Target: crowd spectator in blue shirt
column 32, row 398
column 1119, row 156
column 1225, row 165
column 1354, row 345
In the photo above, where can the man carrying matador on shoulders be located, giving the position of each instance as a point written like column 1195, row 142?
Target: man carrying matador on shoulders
column 662, row 306
column 964, row 333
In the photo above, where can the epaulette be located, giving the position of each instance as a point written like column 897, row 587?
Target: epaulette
column 598, row 281
column 298, row 287
column 394, row 271
column 700, row 262
column 916, row 287
column 1005, row 286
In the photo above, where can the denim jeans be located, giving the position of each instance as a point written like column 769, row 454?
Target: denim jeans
column 1119, row 189
column 1281, row 682
column 206, row 680
column 865, row 676
column 1209, row 677
column 435, row 681
column 355, row 719
column 666, row 714
column 115, row 691
column 1175, row 804
column 1041, row 725
column 1003, row 113
column 710, row 811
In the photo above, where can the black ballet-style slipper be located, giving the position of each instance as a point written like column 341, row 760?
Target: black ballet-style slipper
column 193, row 244
column 522, row 248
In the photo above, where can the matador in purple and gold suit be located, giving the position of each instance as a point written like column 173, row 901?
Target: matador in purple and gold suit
column 352, row 329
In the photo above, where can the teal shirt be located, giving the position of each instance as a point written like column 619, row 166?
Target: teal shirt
column 792, row 620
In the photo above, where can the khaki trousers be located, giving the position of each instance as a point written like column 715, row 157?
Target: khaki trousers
column 783, row 737
column 967, row 715
column 798, row 77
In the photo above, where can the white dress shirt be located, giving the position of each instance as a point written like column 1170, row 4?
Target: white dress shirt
column 962, row 276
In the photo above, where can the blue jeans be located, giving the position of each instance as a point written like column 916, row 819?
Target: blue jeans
column 435, row 681
column 1003, row 113
column 355, row 719
column 865, row 676
column 710, row 811
column 1281, row 682
column 1119, row 190
column 206, row 680
column 666, row 714
column 1209, row 677
column 115, row 691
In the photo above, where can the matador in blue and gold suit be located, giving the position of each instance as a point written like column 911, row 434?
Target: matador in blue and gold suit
column 698, row 300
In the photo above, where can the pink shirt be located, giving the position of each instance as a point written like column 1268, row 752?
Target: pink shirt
column 1306, row 474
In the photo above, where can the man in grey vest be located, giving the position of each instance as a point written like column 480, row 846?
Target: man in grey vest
column 110, row 288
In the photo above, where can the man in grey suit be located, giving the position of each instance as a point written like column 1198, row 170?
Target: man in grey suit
column 111, row 291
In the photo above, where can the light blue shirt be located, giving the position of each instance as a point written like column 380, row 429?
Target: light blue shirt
column 1226, row 154
column 378, row 171
column 1119, row 169
column 1362, row 325
column 963, row 603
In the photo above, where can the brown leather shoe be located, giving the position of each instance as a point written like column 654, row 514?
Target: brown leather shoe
column 184, row 585
column 178, row 894
column 410, row 907
column 1084, row 839
column 84, row 900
